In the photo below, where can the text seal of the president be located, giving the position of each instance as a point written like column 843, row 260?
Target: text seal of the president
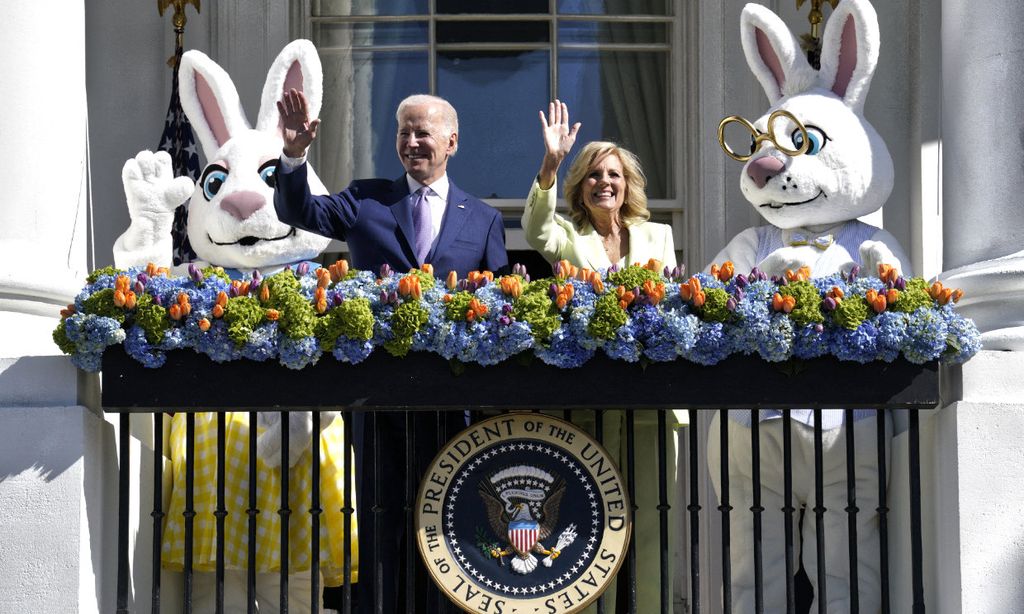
column 523, row 514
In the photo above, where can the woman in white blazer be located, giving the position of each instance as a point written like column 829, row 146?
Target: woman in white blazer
column 607, row 224
column 608, row 213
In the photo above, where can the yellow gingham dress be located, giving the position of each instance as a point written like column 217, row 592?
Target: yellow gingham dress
column 268, row 501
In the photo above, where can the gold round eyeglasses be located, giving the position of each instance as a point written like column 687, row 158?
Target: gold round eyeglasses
column 757, row 137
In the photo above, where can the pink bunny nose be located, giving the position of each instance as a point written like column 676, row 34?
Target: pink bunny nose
column 243, row 204
column 763, row 169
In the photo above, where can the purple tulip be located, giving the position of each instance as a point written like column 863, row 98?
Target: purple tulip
column 232, row 292
column 256, row 275
column 739, row 294
column 385, row 271
column 614, row 268
column 854, row 272
column 667, row 272
column 393, row 297
column 526, row 277
column 553, row 290
column 482, row 282
column 818, row 328
column 143, row 278
column 829, row 303
column 901, row 283
column 139, row 287
column 384, row 296
column 195, row 273
column 504, row 320
column 255, row 285
column 337, row 299
column 158, row 301
column 302, row 269
column 506, row 309
column 731, row 304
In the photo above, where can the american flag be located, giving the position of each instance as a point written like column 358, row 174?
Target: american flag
column 178, row 140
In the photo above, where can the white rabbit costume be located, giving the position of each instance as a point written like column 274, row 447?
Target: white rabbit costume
column 812, row 202
column 232, row 223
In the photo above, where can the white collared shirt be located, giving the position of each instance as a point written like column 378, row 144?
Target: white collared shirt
column 437, row 199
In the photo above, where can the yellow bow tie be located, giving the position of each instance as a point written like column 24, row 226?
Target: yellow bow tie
column 822, row 242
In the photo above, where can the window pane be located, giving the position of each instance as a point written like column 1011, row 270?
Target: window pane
column 493, row 31
column 611, row 32
column 497, row 96
column 327, row 8
column 614, row 7
column 361, row 92
column 342, row 36
column 621, row 96
column 501, row 7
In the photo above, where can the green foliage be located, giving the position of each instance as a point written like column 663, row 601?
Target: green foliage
column 297, row 318
column 353, row 319
column 242, row 315
column 633, row 277
column 101, row 303
column 152, row 318
column 406, row 320
column 808, row 303
column 851, row 312
column 457, row 307
column 914, row 297
column 714, row 309
column 216, row 271
column 608, row 317
column 60, row 337
column 107, row 270
column 538, row 310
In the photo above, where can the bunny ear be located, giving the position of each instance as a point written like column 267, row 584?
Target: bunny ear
column 849, row 52
column 210, row 101
column 773, row 54
column 297, row 66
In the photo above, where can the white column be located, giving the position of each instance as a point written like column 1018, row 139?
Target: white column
column 983, row 163
column 44, row 128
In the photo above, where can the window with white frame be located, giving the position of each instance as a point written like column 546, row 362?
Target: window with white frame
column 499, row 62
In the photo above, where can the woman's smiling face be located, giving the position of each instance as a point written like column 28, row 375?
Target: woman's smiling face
column 604, row 188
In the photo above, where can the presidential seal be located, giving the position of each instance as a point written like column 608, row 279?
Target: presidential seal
column 523, row 513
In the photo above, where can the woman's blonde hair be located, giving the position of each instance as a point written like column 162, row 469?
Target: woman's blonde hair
column 634, row 205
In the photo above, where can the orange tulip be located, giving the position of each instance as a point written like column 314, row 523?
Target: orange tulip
column 273, row 315
column 870, row 295
column 217, row 311
column 68, row 311
column 879, row 303
column 836, row 292
column 323, row 278
column 119, row 298
column 204, row 325
column 427, row 268
column 243, row 290
column 150, row 269
column 129, row 300
column 892, row 295
column 489, row 275
column 222, row 298
column 653, row 265
column 265, row 292
column 887, row 273
column 447, row 298
column 175, row 312
column 452, row 281
column 511, row 286
column 801, row 274
column 597, row 284
column 561, row 300
column 935, row 290
column 957, row 295
column 699, row 298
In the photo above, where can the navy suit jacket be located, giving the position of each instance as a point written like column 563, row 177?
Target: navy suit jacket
column 374, row 216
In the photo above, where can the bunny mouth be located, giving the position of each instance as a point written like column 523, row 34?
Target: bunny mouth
column 249, row 241
column 778, row 205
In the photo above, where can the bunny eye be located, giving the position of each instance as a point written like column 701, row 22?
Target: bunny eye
column 213, row 180
column 268, row 173
column 815, row 135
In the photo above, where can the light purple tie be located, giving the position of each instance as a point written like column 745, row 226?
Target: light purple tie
column 421, row 225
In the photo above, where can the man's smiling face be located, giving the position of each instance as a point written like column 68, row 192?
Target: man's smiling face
column 423, row 142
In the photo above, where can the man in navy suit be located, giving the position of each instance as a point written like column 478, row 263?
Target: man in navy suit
column 421, row 217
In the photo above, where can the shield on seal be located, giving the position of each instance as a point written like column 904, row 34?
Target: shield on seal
column 522, row 534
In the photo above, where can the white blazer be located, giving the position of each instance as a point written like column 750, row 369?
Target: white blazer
column 558, row 239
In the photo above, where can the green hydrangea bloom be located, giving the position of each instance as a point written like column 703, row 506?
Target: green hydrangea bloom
column 427, row 280
column 60, row 337
column 633, row 277
column 152, row 318
column 101, row 303
column 280, row 283
column 107, row 270
column 608, row 317
column 406, row 320
column 216, row 271
column 353, row 319
column 297, row 318
column 714, row 309
column 536, row 309
column 242, row 315
column 851, row 312
column 913, row 297
column 808, row 303
column 457, row 307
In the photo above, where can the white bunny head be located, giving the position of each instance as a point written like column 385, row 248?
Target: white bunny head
column 847, row 171
column 231, row 217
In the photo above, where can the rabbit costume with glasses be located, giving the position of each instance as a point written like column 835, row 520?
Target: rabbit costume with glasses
column 232, row 223
column 815, row 165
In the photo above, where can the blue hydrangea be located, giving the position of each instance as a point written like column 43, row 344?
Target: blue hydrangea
column 216, row 344
column 710, row 346
column 892, row 332
column 261, row 343
column 351, row 351
column 625, row 346
column 563, row 350
column 298, row 353
column 810, row 342
column 677, row 335
column 136, row 346
column 859, row 345
column 963, row 334
column 926, row 336
column 776, row 344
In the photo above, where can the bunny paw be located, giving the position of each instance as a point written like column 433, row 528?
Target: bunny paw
column 874, row 253
column 790, row 257
column 150, row 186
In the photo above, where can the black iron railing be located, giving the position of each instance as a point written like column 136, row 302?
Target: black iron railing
column 192, row 383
